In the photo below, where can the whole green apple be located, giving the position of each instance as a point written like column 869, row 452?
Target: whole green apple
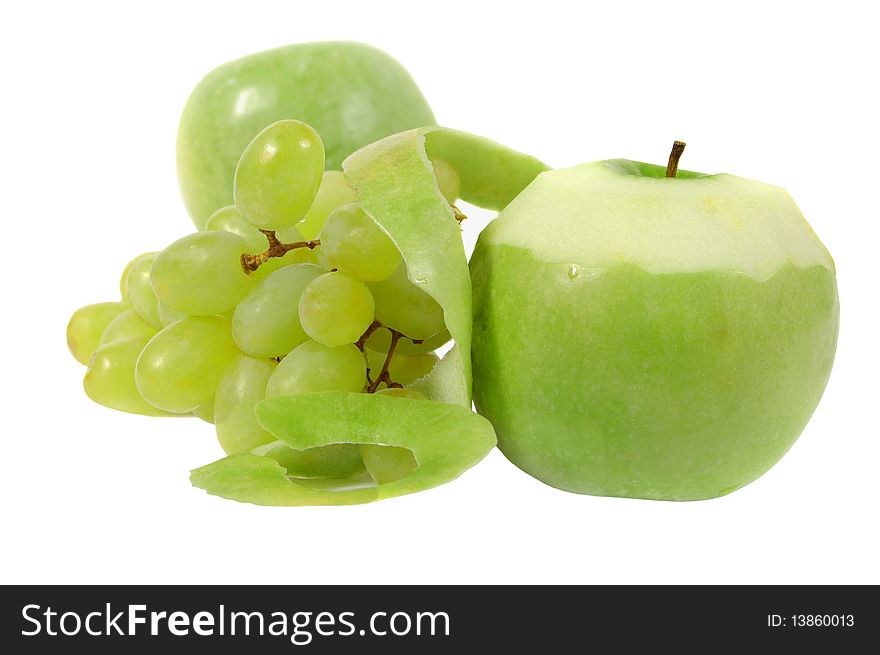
column 648, row 336
column 351, row 93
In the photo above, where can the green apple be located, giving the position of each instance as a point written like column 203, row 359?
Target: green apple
column 647, row 336
column 351, row 93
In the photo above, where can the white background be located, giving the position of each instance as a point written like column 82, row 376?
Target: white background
column 91, row 95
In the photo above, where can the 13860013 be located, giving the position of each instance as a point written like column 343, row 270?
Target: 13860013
column 822, row 620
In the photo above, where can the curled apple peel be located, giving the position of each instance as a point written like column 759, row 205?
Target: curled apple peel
column 444, row 440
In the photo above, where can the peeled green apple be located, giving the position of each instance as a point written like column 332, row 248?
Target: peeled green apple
column 351, row 93
column 647, row 336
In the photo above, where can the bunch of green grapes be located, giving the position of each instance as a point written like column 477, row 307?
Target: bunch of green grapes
column 292, row 289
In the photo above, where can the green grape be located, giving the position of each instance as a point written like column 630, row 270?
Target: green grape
column 138, row 290
column 380, row 341
column 168, row 315
column 201, row 274
column 205, row 411
column 179, row 368
column 266, row 321
column 403, row 369
column 355, row 245
column 387, row 463
column 228, row 219
column 242, row 385
column 313, row 367
column 278, row 175
column 123, row 293
column 399, row 392
column 335, row 309
column 402, row 305
column 127, row 326
column 86, row 327
column 333, row 192
column 447, row 180
column 109, row 380
column 321, row 258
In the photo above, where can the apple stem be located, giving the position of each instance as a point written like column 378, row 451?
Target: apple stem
column 674, row 156
column 250, row 263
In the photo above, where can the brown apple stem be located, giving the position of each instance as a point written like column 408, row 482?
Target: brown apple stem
column 674, row 156
column 251, row 262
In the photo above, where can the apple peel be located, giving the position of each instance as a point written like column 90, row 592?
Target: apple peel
column 445, row 440
column 396, row 187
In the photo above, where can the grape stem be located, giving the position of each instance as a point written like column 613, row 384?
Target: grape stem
column 360, row 343
column 384, row 375
column 251, row 262
column 459, row 215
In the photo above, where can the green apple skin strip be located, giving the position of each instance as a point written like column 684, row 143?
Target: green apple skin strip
column 337, row 461
column 491, row 174
column 397, row 189
column 445, row 440
column 387, row 463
